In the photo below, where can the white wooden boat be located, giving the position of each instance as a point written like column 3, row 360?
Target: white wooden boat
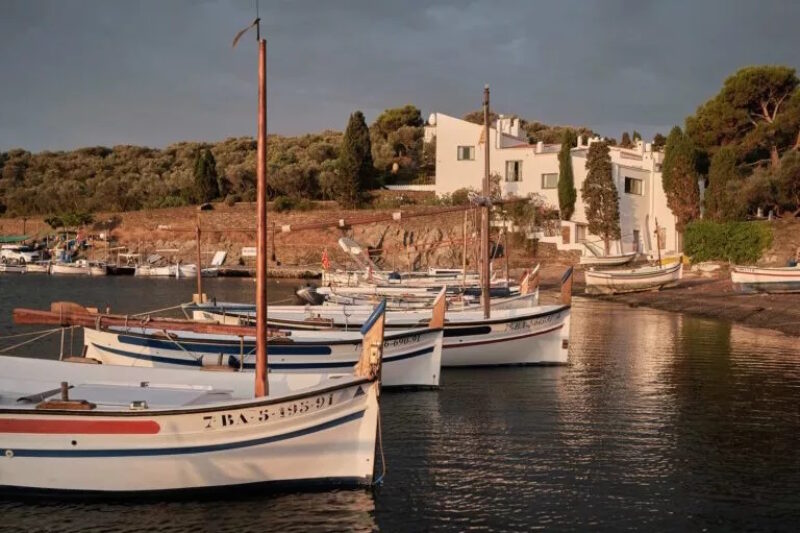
column 171, row 271
column 411, row 358
column 37, row 268
column 12, row 268
column 633, row 280
column 142, row 430
column 79, row 268
column 527, row 335
column 607, row 260
column 765, row 279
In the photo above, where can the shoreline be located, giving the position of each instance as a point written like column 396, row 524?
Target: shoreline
column 705, row 296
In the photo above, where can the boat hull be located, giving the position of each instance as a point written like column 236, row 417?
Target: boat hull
column 69, row 270
column 529, row 335
column 608, row 260
column 324, row 436
column 615, row 282
column 410, row 359
column 760, row 279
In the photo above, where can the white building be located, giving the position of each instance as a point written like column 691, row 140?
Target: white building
column 533, row 168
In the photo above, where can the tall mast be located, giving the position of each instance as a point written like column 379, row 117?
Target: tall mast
column 485, row 209
column 261, row 385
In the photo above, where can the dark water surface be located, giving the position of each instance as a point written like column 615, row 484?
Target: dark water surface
column 661, row 422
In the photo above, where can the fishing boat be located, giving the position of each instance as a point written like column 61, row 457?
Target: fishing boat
column 750, row 279
column 42, row 267
column 78, row 268
column 633, row 280
column 526, row 335
column 597, row 257
column 411, row 358
column 97, row 429
column 12, row 268
column 177, row 271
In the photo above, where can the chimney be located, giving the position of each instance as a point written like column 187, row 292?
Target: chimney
column 648, row 147
column 539, row 147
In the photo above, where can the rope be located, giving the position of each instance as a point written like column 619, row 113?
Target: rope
column 23, row 343
column 28, row 334
column 179, row 306
column 378, row 482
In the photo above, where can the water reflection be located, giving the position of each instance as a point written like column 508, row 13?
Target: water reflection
column 661, row 421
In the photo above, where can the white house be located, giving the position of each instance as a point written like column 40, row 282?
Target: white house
column 533, row 168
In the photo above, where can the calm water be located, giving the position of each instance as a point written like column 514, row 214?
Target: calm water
column 661, row 421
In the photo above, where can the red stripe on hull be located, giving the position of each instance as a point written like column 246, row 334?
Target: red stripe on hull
column 79, row 427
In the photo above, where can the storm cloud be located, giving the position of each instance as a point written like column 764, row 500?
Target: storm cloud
column 99, row 72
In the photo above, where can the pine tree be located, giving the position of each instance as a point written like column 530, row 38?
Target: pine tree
column 356, row 171
column 718, row 201
column 205, row 176
column 600, row 195
column 626, row 140
column 679, row 178
column 567, row 194
column 636, row 136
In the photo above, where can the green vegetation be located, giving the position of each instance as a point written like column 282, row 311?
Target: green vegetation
column 206, row 185
column 567, row 194
column 755, row 121
column 737, row 242
column 356, row 171
column 679, row 178
column 600, row 195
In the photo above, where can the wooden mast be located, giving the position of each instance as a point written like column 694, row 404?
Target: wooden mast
column 485, row 210
column 261, row 385
column 199, row 297
column 464, row 254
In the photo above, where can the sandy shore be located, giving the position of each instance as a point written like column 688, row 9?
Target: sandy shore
column 710, row 297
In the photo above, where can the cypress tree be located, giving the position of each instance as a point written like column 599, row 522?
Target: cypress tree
column 718, row 201
column 600, row 195
column 567, row 194
column 355, row 166
column 679, row 178
column 626, row 140
column 205, row 176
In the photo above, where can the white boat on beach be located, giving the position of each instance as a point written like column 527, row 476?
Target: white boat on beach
column 633, row 280
column 765, row 279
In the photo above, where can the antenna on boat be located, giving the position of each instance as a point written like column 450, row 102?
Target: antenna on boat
column 261, row 384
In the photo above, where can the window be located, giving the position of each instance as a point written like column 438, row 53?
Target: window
column 466, row 153
column 633, row 186
column 513, row 170
column 550, row 181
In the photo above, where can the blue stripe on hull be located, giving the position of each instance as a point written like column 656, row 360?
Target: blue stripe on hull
column 224, row 348
column 234, row 362
column 149, row 452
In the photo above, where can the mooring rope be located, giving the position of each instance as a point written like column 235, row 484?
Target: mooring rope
column 28, row 334
column 23, row 343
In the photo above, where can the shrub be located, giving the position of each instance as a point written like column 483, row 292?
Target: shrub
column 231, row 199
column 736, row 242
column 283, row 203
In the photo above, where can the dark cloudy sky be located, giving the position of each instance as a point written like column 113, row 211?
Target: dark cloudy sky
column 88, row 72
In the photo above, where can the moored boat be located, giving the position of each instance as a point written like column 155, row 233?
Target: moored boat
column 79, row 268
column 527, row 335
column 633, row 280
column 765, row 279
column 38, row 268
